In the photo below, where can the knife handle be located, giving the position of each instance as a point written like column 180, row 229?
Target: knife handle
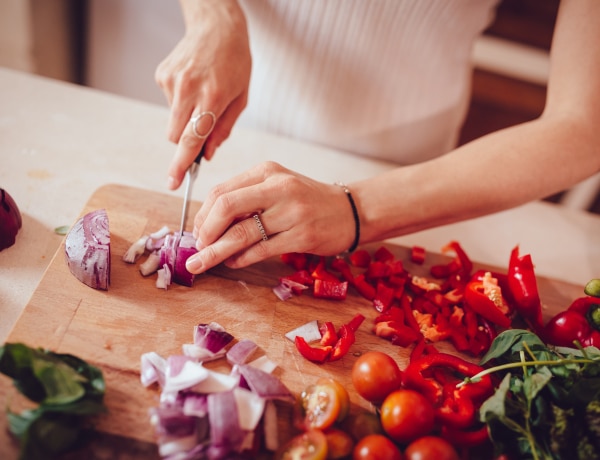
column 200, row 155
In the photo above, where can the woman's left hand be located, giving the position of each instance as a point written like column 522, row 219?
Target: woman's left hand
column 298, row 214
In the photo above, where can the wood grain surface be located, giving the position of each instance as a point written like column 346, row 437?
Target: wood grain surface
column 112, row 329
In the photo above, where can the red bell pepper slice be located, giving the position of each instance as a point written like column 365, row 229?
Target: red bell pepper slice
column 397, row 333
column 355, row 322
column 417, row 255
column 314, row 354
column 383, row 254
column 363, row 287
column 326, row 289
column 342, row 346
column 320, row 272
column 342, row 266
column 384, row 297
column 360, row 258
column 523, row 288
column 298, row 260
column 328, row 334
column 478, row 301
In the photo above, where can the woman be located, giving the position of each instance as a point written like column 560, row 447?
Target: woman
column 387, row 78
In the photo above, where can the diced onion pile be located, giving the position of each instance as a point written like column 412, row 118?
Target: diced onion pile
column 209, row 414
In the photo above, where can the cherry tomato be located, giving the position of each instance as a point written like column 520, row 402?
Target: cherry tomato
column 339, row 443
column 342, row 395
column 376, row 447
column 311, row 445
column 407, row 415
column 375, row 375
column 323, row 403
column 362, row 424
column 430, row 448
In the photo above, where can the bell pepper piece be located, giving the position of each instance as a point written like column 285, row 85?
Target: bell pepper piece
column 314, row 354
column 342, row 266
column 355, row 322
column 383, row 254
column 456, row 407
column 523, row 288
column 409, row 318
column 328, row 334
column 297, row 260
column 377, row 270
column 343, row 344
column 466, row 438
column 397, row 333
column 384, row 296
column 363, row 287
column 320, row 272
column 360, row 258
column 490, row 306
column 417, row 255
column 329, row 289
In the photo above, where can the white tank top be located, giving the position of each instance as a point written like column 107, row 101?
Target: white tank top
column 384, row 78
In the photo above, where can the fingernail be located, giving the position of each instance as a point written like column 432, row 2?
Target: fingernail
column 172, row 183
column 194, row 264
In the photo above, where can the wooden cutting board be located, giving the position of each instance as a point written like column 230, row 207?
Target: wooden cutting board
column 112, row 329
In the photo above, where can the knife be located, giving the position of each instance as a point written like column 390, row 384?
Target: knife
column 190, row 177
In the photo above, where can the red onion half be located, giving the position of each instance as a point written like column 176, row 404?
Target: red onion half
column 10, row 220
column 87, row 249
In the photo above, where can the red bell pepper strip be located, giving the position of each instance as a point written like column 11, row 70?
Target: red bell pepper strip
column 409, row 318
column 466, row 438
column 384, row 296
column 327, row 289
column 355, row 322
column 342, row 266
column 360, row 258
column 486, row 305
column 397, row 333
column 456, row 407
column 363, row 287
column 461, row 264
column 320, row 272
column 342, row 346
column 523, row 288
column 383, row 254
column 328, row 334
column 314, row 354
column 417, row 255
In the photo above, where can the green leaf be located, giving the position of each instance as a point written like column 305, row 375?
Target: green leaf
column 62, row 383
column 494, row 406
column 534, row 383
column 510, row 341
column 62, row 230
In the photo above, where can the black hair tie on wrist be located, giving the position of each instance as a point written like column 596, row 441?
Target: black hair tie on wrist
column 354, row 214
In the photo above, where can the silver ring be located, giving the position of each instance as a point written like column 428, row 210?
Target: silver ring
column 261, row 229
column 196, row 118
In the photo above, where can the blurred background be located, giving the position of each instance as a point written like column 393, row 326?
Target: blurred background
column 115, row 46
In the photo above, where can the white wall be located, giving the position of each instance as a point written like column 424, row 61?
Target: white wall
column 127, row 39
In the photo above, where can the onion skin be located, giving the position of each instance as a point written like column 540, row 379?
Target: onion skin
column 10, row 220
column 87, row 250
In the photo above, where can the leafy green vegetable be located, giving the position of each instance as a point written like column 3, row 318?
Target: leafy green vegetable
column 66, row 389
column 547, row 405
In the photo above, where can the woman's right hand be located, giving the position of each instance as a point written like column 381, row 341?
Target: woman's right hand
column 207, row 71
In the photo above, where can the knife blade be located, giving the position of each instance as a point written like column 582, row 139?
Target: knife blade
column 190, row 177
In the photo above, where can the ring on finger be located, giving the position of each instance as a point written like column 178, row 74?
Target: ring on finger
column 196, row 119
column 261, row 228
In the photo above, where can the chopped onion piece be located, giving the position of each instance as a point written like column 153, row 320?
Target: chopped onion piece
column 87, row 249
column 191, row 374
column 250, row 408
column 135, row 250
column 195, row 405
column 264, row 364
column 153, row 369
column 240, row 352
column 160, row 233
column 164, row 277
column 271, row 428
column 225, row 431
column 286, row 288
column 151, row 264
column 211, row 336
column 264, row 384
column 309, row 332
column 200, row 353
column 216, row 382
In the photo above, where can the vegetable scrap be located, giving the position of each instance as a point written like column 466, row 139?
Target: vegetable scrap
column 333, row 344
column 10, row 220
column 167, row 253
column 66, row 389
column 209, row 414
column 87, row 249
